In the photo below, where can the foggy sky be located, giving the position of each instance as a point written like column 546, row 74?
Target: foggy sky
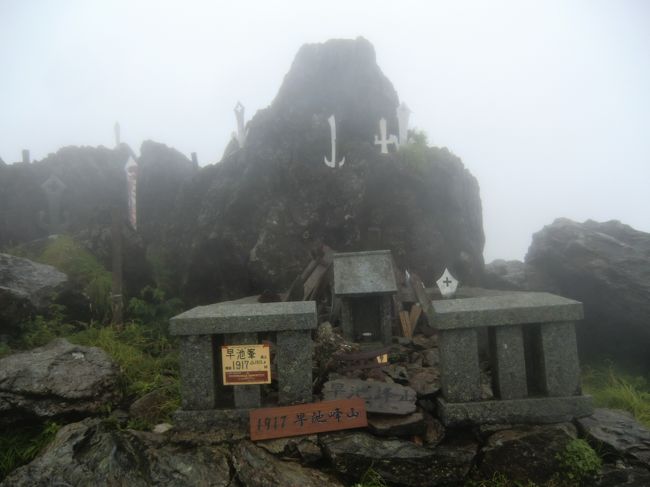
column 546, row 102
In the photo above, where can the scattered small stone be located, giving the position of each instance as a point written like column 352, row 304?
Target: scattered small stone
column 435, row 431
column 425, row 381
column 396, row 372
column 162, row 428
column 381, row 397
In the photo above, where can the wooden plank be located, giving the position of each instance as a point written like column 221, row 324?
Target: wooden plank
column 406, row 324
column 307, row 419
column 414, row 316
column 423, row 299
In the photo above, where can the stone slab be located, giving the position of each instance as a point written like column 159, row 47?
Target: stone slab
column 509, row 365
column 560, row 368
column 294, row 352
column 227, row 317
column 508, row 309
column 513, row 411
column 460, row 375
column 411, row 425
column 380, row 397
column 360, row 273
column 197, row 372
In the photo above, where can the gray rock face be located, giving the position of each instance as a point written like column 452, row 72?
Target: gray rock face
column 399, row 462
column 619, row 434
column 607, row 267
column 249, row 222
column 526, row 452
column 59, row 379
column 257, row 468
column 26, row 287
column 514, row 275
column 90, row 453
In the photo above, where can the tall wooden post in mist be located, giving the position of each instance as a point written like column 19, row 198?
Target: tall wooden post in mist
column 117, row 301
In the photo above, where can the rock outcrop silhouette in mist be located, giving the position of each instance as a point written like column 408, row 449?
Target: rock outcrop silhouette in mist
column 249, row 222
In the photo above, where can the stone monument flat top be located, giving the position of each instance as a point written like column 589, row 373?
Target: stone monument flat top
column 231, row 317
column 360, row 273
column 506, row 309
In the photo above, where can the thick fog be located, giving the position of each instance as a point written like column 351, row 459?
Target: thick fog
column 547, row 102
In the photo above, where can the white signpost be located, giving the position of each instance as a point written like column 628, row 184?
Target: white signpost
column 131, row 169
column 447, row 284
column 333, row 162
column 242, row 131
column 385, row 141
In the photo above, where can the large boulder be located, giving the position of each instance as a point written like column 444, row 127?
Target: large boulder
column 257, row 468
column 26, row 288
column 251, row 221
column 57, row 380
column 399, row 462
column 93, row 453
column 526, row 453
column 607, row 267
column 616, row 433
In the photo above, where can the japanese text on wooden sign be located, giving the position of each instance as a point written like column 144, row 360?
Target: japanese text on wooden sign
column 306, row 419
column 246, row 364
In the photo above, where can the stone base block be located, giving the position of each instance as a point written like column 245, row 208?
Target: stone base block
column 529, row 410
column 231, row 419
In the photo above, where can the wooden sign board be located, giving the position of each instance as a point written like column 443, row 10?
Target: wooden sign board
column 246, row 364
column 307, row 419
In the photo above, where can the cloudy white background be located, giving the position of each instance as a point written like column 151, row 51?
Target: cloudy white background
column 546, row 102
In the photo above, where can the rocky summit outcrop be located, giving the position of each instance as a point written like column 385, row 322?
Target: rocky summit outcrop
column 57, row 380
column 26, row 288
column 251, row 221
column 607, row 267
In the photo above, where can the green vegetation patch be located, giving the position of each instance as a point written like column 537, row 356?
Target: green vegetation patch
column 615, row 388
column 19, row 446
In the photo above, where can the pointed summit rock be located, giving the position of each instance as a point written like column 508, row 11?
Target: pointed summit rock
column 250, row 222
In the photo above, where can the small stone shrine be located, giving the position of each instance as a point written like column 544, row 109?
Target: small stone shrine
column 533, row 357
column 365, row 283
column 204, row 330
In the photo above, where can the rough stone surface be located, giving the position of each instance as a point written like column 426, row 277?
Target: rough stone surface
column 197, row 374
column 408, row 426
column 90, row 453
column 559, row 357
column 304, row 448
column 605, row 266
column 526, row 452
column 399, row 462
column 227, row 423
column 507, row 309
column 509, row 366
column 26, row 287
column 56, row 380
column 359, row 273
column 459, row 367
column 228, row 317
column 257, row 468
column 515, row 275
column 294, row 355
column 250, row 222
column 531, row 410
column 618, row 433
column 381, row 397
column 623, row 475
column 425, row 381
column 147, row 408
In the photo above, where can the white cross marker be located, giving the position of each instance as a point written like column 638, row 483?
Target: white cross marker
column 447, row 284
column 384, row 142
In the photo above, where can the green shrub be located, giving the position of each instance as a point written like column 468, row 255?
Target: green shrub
column 21, row 445
column 579, row 462
column 81, row 267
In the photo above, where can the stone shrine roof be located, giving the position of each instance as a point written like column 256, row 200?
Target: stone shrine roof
column 361, row 273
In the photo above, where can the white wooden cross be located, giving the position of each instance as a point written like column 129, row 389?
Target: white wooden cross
column 384, row 141
column 447, row 284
